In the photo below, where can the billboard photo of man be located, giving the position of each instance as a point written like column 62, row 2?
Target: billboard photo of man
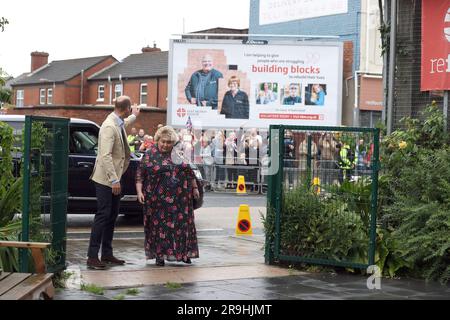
column 294, row 95
column 203, row 86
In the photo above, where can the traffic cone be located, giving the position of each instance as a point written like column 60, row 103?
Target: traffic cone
column 244, row 224
column 240, row 189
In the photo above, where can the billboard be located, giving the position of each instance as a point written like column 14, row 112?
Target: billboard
column 229, row 84
column 276, row 11
column 435, row 64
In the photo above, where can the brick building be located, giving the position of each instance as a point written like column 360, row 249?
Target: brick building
column 62, row 82
column 142, row 77
column 85, row 88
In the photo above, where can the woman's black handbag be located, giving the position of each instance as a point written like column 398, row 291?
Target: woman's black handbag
column 199, row 202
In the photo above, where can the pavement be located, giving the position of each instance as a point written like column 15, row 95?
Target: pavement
column 230, row 267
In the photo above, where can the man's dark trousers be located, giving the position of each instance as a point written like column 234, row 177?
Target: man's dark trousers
column 104, row 221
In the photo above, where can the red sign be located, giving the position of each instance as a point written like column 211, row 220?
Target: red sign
column 291, row 116
column 244, row 225
column 435, row 67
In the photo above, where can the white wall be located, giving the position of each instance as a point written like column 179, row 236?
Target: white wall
column 371, row 59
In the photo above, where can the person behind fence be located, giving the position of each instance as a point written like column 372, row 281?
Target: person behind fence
column 138, row 140
column 131, row 138
column 327, row 163
column 235, row 103
column 218, row 148
column 203, row 87
column 112, row 161
column 167, row 190
column 207, row 159
column 145, row 145
column 345, row 161
column 289, row 156
column 360, row 157
column 231, row 156
column 252, row 154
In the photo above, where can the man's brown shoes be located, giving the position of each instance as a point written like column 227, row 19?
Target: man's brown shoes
column 94, row 263
column 113, row 260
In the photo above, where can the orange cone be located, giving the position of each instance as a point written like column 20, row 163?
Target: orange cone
column 240, row 189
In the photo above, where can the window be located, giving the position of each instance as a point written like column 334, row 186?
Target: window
column 143, row 94
column 83, row 141
column 42, row 96
column 19, row 98
column 369, row 118
column 117, row 90
column 101, row 92
column 49, row 96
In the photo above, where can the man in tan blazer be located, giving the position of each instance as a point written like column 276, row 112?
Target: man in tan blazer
column 112, row 161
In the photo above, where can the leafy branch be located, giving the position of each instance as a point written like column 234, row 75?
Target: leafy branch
column 3, row 23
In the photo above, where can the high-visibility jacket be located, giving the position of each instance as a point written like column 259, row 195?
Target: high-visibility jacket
column 130, row 139
column 344, row 159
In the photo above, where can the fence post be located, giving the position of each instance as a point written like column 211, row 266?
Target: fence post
column 25, row 236
column 308, row 162
column 59, row 184
column 374, row 197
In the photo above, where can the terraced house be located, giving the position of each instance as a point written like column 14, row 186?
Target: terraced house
column 86, row 87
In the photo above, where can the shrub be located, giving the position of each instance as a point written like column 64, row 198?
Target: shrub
column 317, row 227
column 417, row 172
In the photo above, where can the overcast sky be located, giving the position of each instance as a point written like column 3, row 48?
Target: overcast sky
column 88, row 28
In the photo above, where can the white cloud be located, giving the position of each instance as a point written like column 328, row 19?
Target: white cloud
column 87, row 28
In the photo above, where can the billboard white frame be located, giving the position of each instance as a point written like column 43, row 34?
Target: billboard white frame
column 329, row 56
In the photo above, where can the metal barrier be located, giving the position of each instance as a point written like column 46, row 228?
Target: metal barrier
column 44, row 199
column 224, row 178
column 322, row 206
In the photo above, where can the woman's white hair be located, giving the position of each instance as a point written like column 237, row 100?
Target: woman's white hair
column 167, row 131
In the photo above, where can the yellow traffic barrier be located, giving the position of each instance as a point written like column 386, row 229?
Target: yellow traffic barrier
column 240, row 189
column 244, row 224
column 316, row 185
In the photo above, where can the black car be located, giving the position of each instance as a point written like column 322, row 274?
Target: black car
column 83, row 138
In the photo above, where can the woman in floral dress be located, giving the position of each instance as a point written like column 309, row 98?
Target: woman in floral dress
column 166, row 189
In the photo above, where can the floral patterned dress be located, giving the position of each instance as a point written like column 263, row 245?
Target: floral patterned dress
column 169, row 227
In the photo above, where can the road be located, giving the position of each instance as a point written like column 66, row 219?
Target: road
column 217, row 216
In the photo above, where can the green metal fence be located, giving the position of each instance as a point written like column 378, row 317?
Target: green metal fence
column 44, row 200
column 322, row 195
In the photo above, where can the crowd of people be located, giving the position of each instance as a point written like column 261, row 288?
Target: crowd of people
column 223, row 155
column 331, row 157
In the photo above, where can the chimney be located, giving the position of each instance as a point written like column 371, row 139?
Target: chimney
column 150, row 49
column 38, row 59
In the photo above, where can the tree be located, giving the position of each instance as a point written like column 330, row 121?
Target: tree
column 3, row 23
column 3, row 77
column 5, row 94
